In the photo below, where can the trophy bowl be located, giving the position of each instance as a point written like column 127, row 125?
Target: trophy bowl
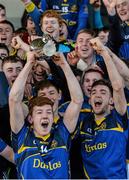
column 45, row 44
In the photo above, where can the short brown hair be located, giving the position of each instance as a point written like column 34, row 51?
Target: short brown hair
column 8, row 23
column 12, row 59
column 45, row 84
column 51, row 13
column 103, row 82
column 87, row 31
column 92, row 68
column 39, row 101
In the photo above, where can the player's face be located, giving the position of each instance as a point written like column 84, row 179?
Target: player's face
column 51, row 93
column 103, row 35
column 89, row 79
column 6, row 34
column 83, row 45
column 122, row 7
column 50, row 25
column 3, row 53
column 64, row 31
column 39, row 73
column 12, row 70
column 100, row 99
column 30, row 26
column 2, row 14
column 42, row 119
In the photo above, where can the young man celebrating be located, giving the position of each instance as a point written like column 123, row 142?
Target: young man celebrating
column 42, row 151
column 118, row 11
column 105, row 127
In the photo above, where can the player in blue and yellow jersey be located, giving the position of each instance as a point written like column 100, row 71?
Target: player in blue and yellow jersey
column 103, row 137
column 42, row 150
column 119, row 22
column 90, row 75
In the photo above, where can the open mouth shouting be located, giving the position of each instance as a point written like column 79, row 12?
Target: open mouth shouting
column 45, row 124
column 98, row 103
column 3, row 39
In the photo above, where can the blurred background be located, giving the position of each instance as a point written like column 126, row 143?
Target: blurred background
column 14, row 10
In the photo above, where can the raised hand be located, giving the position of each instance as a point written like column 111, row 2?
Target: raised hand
column 16, row 42
column 73, row 57
column 32, row 57
column 59, row 59
column 97, row 45
column 110, row 5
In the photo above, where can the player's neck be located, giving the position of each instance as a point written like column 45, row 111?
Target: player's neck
column 101, row 116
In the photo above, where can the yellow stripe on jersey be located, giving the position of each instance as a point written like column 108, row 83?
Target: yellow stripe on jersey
column 60, row 147
column 81, row 132
column 56, row 119
column 127, row 161
column 86, row 110
column 99, row 121
column 23, row 148
column 44, row 138
column 30, row 7
column 119, row 128
column 86, row 174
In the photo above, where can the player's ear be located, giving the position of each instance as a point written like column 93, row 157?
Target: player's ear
column 29, row 119
column 111, row 101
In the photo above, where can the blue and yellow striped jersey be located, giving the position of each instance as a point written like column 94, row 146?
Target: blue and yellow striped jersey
column 42, row 158
column 103, row 146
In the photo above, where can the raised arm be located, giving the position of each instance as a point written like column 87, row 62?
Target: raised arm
column 73, row 110
column 121, row 67
column 18, row 43
column 115, row 77
column 17, row 93
column 82, row 16
column 115, row 38
column 35, row 14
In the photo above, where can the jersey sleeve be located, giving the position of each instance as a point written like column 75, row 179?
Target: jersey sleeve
column 17, row 139
column 64, row 133
column 43, row 5
column 122, row 120
column 35, row 14
column 82, row 16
